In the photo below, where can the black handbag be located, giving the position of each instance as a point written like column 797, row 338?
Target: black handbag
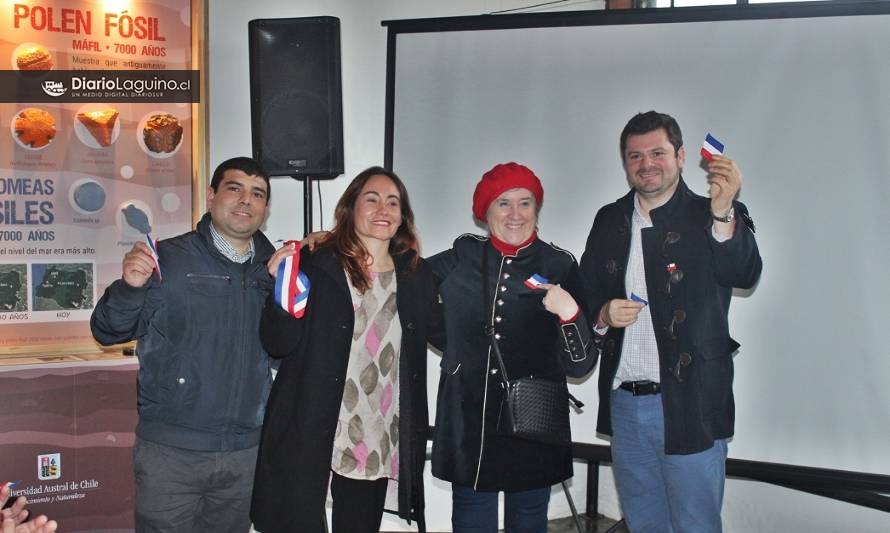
column 532, row 408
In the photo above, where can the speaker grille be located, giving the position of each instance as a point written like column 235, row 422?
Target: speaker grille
column 296, row 103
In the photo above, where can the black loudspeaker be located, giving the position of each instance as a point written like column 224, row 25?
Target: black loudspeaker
column 295, row 100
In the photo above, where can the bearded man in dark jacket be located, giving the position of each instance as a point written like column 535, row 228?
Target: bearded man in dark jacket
column 660, row 265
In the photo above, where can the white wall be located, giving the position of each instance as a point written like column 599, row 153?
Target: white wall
column 363, row 56
column 748, row 506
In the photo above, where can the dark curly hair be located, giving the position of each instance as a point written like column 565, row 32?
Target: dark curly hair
column 650, row 121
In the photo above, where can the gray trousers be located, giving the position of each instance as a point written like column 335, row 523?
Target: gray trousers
column 185, row 491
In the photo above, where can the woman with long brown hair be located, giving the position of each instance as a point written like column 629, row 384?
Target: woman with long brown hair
column 349, row 401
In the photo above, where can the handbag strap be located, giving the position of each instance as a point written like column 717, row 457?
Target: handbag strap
column 488, row 309
column 488, row 328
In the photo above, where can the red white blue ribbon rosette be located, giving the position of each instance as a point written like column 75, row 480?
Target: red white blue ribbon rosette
column 292, row 285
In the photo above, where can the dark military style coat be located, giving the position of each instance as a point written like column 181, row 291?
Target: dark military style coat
column 467, row 449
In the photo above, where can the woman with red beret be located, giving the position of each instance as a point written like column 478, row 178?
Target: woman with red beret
column 533, row 300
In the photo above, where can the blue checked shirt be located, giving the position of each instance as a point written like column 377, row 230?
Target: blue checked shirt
column 227, row 250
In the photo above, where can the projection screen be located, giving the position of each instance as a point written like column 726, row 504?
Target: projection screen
column 800, row 95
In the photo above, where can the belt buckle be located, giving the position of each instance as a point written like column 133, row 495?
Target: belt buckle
column 643, row 388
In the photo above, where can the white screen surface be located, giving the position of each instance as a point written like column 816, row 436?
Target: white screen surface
column 802, row 104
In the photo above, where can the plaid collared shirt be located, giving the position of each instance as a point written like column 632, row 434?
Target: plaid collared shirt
column 227, row 250
column 639, row 352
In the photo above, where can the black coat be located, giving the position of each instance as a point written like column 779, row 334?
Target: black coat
column 294, row 462
column 467, row 450
column 699, row 406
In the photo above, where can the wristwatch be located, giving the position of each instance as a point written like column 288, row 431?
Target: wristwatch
column 728, row 218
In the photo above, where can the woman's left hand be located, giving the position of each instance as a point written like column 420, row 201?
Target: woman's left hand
column 280, row 254
column 559, row 302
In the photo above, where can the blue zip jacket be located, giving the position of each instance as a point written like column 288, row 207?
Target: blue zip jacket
column 203, row 375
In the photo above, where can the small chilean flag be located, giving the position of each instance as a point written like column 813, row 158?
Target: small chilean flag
column 640, row 299
column 535, row 281
column 711, row 147
column 153, row 247
column 291, row 285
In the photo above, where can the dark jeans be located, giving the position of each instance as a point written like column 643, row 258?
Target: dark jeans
column 358, row 504
column 188, row 491
column 477, row 511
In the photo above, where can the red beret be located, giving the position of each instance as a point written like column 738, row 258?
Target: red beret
column 501, row 178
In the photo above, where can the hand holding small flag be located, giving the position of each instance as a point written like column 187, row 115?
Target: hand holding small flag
column 724, row 177
column 153, row 246
column 140, row 262
column 559, row 302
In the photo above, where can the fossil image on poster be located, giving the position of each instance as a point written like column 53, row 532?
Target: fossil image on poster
column 33, row 128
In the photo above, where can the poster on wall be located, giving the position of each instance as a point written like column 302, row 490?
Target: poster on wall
column 67, row 440
column 94, row 162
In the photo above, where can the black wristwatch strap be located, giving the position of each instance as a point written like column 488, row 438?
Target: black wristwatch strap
column 730, row 216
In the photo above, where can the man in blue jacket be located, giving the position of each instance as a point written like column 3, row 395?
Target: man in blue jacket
column 204, row 377
column 661, row 263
